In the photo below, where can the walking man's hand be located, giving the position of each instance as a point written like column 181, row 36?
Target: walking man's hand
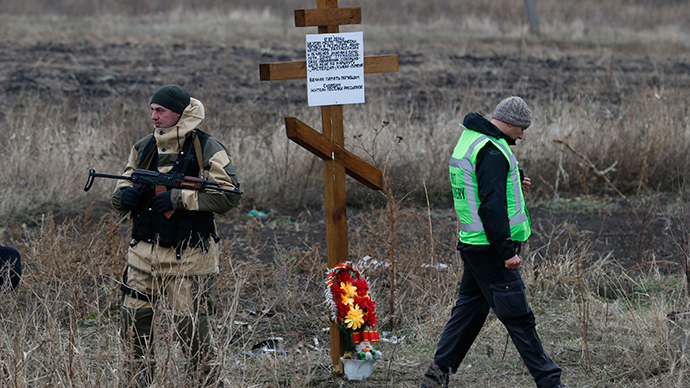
column 513, row 262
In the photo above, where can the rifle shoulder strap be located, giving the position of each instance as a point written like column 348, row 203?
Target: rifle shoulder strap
column 199, row 153
column 195, row 142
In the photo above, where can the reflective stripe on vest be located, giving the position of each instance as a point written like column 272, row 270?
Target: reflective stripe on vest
column 469, row 169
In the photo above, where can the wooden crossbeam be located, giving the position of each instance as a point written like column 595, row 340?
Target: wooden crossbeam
column 326, row 149
column 357, row 168
column 327, row 16
column 308, row 138
column 381, row 64
column 298, row 69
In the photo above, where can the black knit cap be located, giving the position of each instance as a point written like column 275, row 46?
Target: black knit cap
column 172, row 97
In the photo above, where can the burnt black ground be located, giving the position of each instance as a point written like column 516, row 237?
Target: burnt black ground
column 93, row 75
column 630, row 233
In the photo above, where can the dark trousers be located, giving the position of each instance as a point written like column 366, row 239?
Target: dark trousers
column 486, row 283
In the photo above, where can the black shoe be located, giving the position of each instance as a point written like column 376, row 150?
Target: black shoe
column 435, row 378
column 139, row 374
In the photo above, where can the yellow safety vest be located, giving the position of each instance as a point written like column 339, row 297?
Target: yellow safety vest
column 463, row 179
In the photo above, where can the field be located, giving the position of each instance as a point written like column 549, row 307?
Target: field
column 609, row 86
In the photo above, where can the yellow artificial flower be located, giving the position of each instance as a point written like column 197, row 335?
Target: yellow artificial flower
column 349, row 289
column 354, row 318
column 346, row 300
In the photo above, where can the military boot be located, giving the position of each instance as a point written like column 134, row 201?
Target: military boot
column 138, row 374
column 195, row 338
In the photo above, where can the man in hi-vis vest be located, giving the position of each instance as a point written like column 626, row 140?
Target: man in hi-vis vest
column 487, row 192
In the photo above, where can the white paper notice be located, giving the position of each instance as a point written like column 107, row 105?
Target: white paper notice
column 335, row 69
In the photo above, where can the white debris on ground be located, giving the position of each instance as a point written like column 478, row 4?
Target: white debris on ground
column 438, row 266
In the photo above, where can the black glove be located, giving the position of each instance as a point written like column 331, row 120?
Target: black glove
column 162, row 202
column 130, row 197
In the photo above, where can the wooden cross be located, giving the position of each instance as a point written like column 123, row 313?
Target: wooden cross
column 330, row 144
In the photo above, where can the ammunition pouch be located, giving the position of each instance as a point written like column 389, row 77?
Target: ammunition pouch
column 182, row 230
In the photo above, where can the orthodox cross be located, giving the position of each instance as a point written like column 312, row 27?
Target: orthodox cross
column 330, row 145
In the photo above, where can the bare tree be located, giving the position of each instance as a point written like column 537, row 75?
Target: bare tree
column 532, row 16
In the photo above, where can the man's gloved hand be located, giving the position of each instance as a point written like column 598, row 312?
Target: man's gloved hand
column 162, row 202
column 130, row 197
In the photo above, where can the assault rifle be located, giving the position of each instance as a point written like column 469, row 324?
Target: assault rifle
column 146, row 180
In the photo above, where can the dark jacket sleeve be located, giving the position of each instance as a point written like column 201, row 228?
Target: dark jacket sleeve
column 492, row 173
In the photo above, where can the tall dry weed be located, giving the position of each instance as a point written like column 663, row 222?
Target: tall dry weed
column 602, row 323
column 46, row 151
column 71, row 117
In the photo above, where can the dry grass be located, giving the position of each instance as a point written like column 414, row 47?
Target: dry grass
column 619, row 97
column 604, row 325
column 63, row 108
column 635, row 15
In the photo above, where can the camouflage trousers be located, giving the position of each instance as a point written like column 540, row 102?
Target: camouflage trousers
column 186, row 300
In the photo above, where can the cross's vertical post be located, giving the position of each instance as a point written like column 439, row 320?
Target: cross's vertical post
column 336, row 214
column 334, row 178
column 330, row 144
column 334, row 194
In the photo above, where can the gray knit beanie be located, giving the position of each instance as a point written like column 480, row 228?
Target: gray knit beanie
column 513, row 111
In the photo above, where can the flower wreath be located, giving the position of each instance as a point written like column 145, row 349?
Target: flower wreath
column 351, row 307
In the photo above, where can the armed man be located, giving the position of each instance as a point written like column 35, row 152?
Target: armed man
column 174, row 248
